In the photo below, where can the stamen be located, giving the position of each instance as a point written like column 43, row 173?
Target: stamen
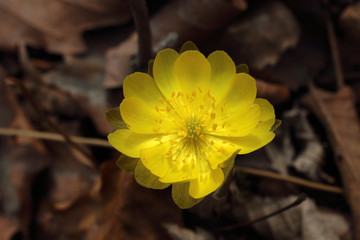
column 156, row 129
column 214, row 126
column 198, row 130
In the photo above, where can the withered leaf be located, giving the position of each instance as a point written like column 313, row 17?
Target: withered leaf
column 57, row 25
column 337, row 113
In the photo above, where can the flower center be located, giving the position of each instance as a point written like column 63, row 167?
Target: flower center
column 194, row 128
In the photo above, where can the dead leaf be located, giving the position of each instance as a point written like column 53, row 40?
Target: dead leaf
column 349, row 21
column 337, row 112
column 8, row 228
column 84, row 82
column 180, row 233
column 69, row 179
column 188, row 20
column 304, row 222
column 57, row 25
column 260, row 39
column 22, row 160
column 300, row 147
column 275, row 93
column 121, row 210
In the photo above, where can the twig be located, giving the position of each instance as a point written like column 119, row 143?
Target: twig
column 335, row 53
column 54, row 137
column 302, row 197
column 141, row 18
column 290, row 179
column 103, row 143
column 43, row 115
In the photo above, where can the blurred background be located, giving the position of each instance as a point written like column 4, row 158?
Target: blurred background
column 62, row 64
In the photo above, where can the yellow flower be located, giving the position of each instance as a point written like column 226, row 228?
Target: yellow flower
column 187, row 122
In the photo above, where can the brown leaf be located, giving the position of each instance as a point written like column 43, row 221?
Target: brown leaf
column 180, row 233
column 21, row 160
column 84, row 82
column 304, row 222
column 7, row 228
column 275, row 93
column 338, row 114
column 259, row 39
column 121, row 210
column 57, row 25
column 188, row 20
column 350, row 21
column 69, row 180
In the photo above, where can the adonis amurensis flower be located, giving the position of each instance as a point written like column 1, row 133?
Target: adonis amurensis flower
column 186, row 121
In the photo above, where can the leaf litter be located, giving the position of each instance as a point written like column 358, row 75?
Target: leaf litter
column 49, row 192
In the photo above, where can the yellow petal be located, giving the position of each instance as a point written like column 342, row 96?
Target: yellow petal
column 163, row 71
column 267, row 116
column 222, row 70
column 155, row 159
column 178, row 175
column 264, row 139
column 126, row 163
column 143, row 87
column 251, row 142
column 218, row 150
column 207, row 183
column 192, row 71
column 240, row 92
column 228, row 171
column 130, row 143
column 146, row 179
column 180, row 195
column 183, row 164
column 141, row 118
column 237, row 123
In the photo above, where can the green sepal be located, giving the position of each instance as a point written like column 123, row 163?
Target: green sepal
column 188, row 45
column 181, row 196
column 242, row 68
column 276, row 125
column 146, row 179
column 228, row 170
column 150, row 67
column 113, row 116
column 126, row 163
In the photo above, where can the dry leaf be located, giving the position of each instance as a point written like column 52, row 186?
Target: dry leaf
column 22, row 161
column 8, row 228
column 259, row 39
column 275, row 93
column 84, row 82
column 57, row 25
column 304, row 222
column 188, row 20
column 349, row 20
column 337, row 113
column 180, row 233
column 69, row 179
column 120, row 210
